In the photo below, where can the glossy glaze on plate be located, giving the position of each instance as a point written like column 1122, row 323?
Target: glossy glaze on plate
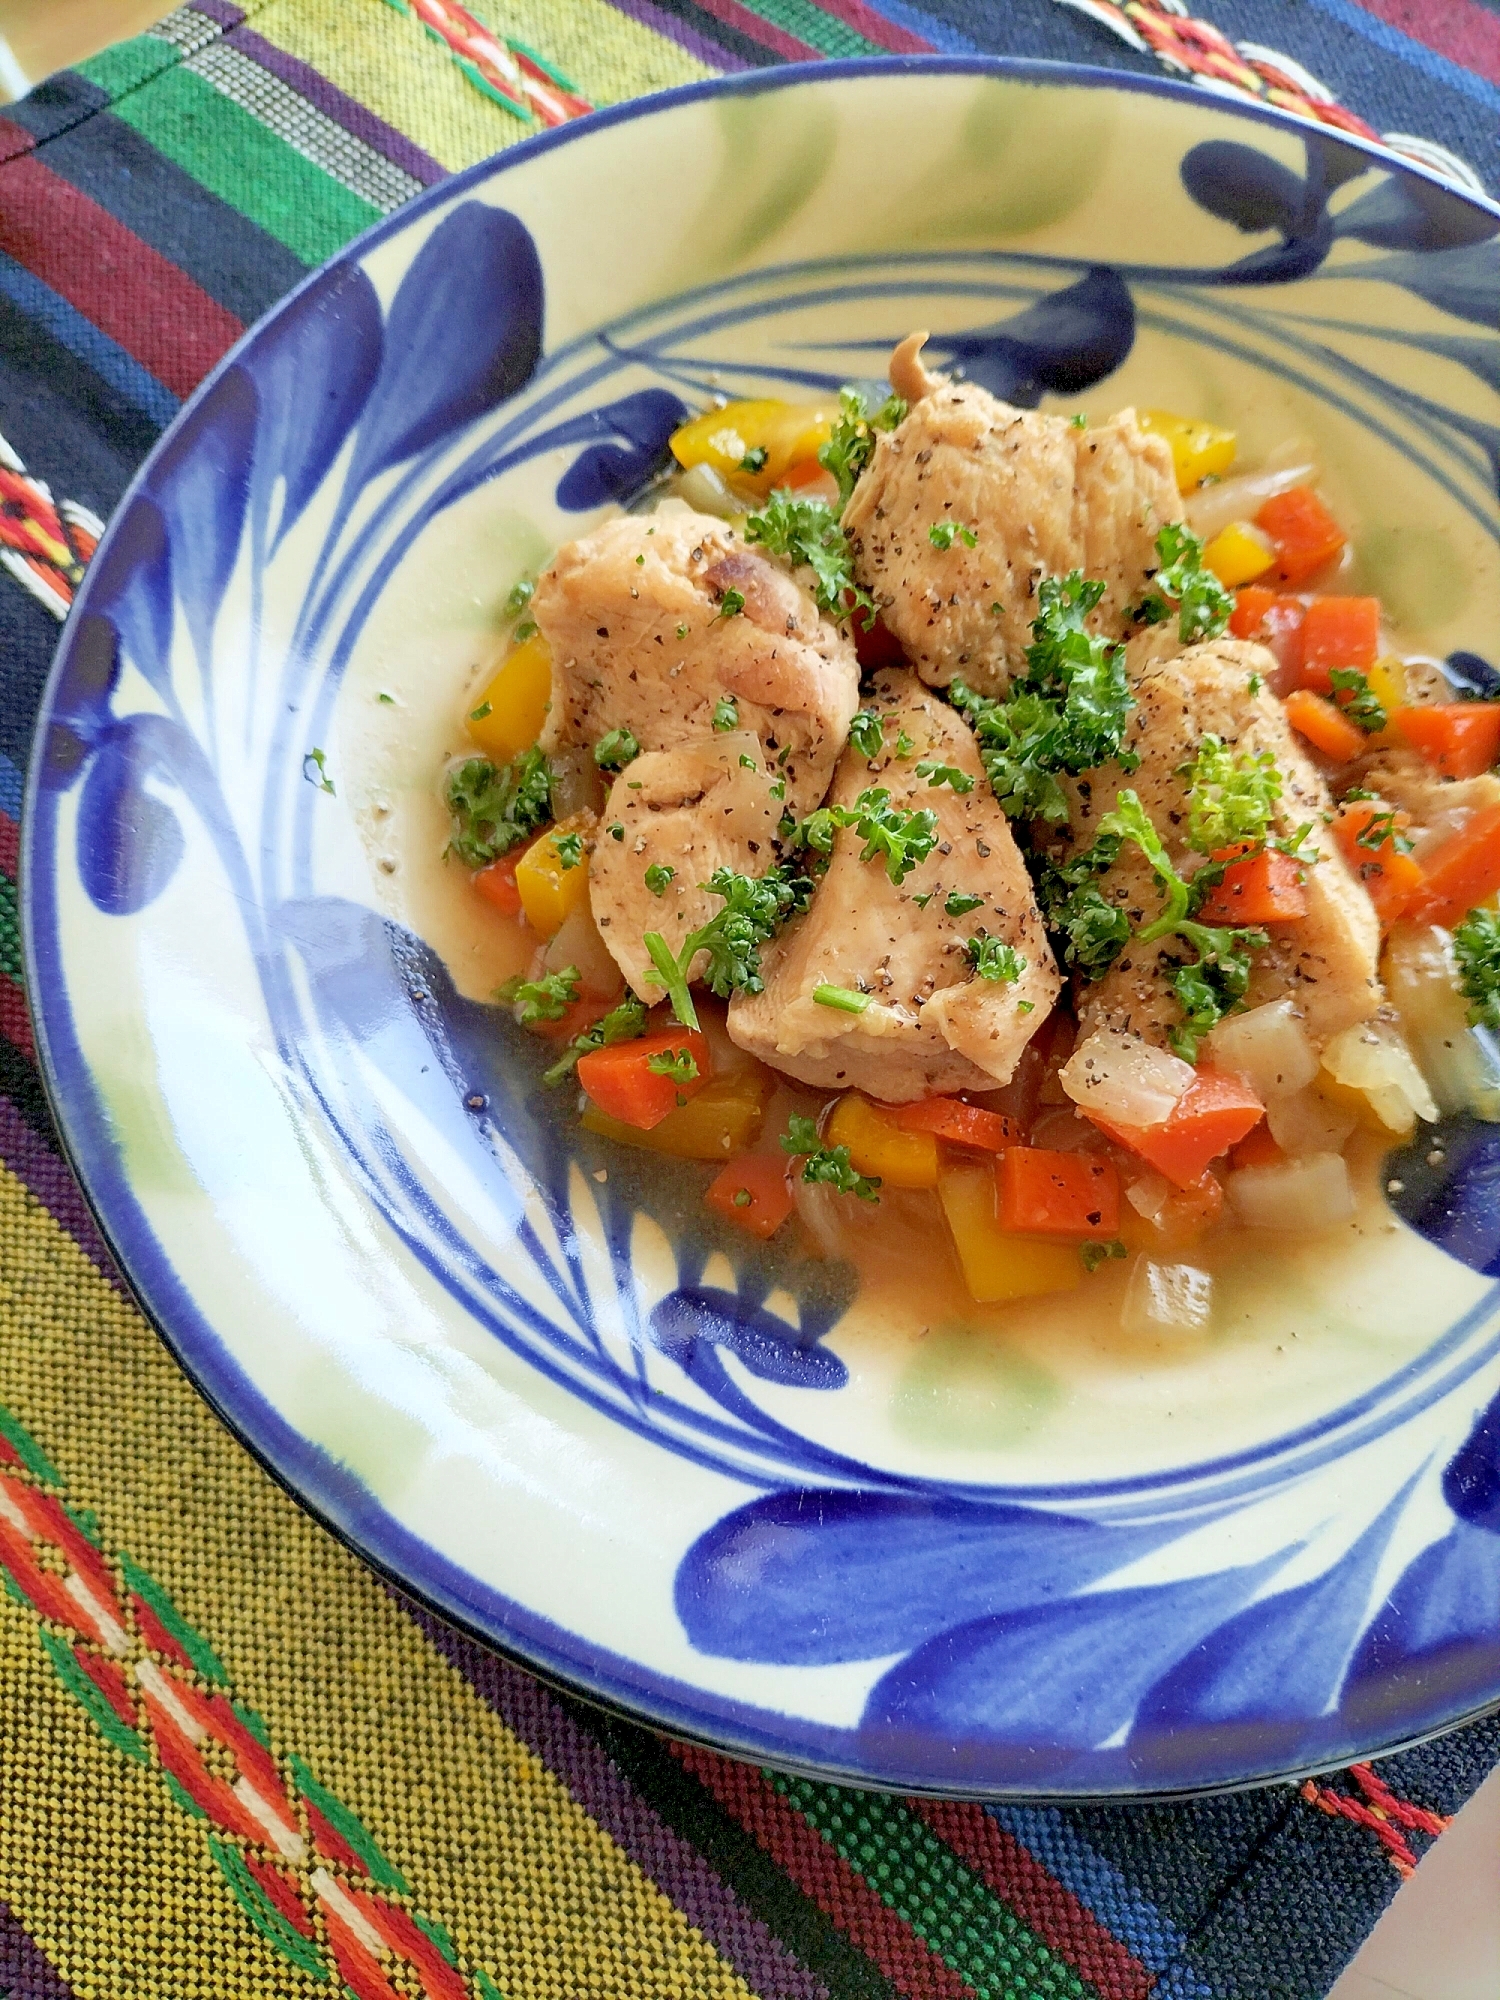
column 530, row 1384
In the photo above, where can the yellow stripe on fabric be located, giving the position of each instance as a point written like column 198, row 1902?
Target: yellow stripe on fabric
column 113, row 1880
column 389, row 62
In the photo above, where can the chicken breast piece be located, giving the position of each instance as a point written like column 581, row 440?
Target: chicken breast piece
column 1326, row 962
column 635, row 616
column 1041, row 497
column 931, row 1024
column 702, row 806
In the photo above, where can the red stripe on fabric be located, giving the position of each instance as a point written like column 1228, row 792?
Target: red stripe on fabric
column 822, row 1873
column 15, row 1022
column 875, row 27
column 733, row 15
column 1037, row 1897
column 129, row 291
column 10, row 845
column 1461, row 30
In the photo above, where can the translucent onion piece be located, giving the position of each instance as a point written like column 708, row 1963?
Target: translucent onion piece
column 1373, row 1058
column 1309, row 1122
column 577, row 784
column 577, row 943
column 1148, row 1195
column 1461, row 1064
column 1311, row 1193
column 1212, row 508
column 1268, row 1047
column 1167, row 1298
column 707, row 492
column 1126, row 1080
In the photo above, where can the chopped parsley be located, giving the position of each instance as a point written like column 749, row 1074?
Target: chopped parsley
column 496, row 805
column 755, row 459
column 731, row 604
column 1383, row 827
column 658, row 875
column 726, row 714
column 829, row 1166
column 945, row 774
column 617, row 830
column 1091, row 931
column 541, row 999
column 520, row 596
column 1067, row 712
column 615, row 750
column 1358, row 700
column 1476, row 947
column 388, row 699
column 959, row 903
column 1230, row 798
column 1079, row 422
column 755, row 908
column 807, row 532
column 678, row 1064
column 943, row 534
column 320, row 764
column 900, row 839
column 524, row 631
column 682, row 631
column 844, row 998
column 867, row 732
column 1203, row 606
column 478, row 714
column 1095, row 1254
column 621, row 1024
column 852, row 441
column 992, row 959
column 568, row 848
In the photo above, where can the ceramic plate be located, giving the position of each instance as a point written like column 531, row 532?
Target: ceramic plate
column 515, row 1370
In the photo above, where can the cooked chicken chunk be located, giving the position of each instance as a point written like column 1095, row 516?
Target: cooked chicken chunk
column 1405, row 779
column 1326, row 962
column 1040, row 496
column 645, row 636
column 931, row 1024
column 702, row 806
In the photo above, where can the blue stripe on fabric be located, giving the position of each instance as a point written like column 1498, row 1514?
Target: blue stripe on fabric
column 70, row 329
column 1371, row 29
column 1106, row 1894
column 10, row 787
column 943, row 38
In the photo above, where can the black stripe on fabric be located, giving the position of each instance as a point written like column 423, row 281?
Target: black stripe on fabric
column 693, row 1813
column 1182, row 1856
column 55, row 105
column 1036, row 28
column 21, row 1084
column 235, row 261
column 720, row 33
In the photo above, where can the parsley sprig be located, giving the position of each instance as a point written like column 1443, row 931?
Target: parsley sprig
column 1090, row 930
column 1363, row 706
column 829, row 1166
column 852, row 442
column 1203, row 605
column 680, row 1065
column 755, row 908
column 1231, row 798
column 807, row 533
column 536, row 1000
column 1476, row 947
column 991, row 958
column 496, row 805
column 900, row 839
column 624, row 1023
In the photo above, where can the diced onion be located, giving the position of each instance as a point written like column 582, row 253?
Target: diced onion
column 1149, row 1195
column 1371, row 1057
column 1460, row 1063
column 1311, row 1193
column 1212, row 508
column 1123, row 1079
column 577, row 943
column 576, row 782
column 1167, row 1298
column 1268, row 1047
column 708, row 492
column 1309, row 1122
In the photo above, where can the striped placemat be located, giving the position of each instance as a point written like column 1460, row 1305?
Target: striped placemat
column 232, row 1763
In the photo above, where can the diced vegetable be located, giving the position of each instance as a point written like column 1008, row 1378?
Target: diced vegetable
column 641, row 1082
column 755, row 443
column 1320, row 721
column 1113, row 1075
column 1460, row 739
column 1293, row 1195
column 811, row 481
column 753, row 1194
column 578, row 943
column 508, row 716
column 1462, row 873
column 1167, row 1298
column 1045, row 1193
column 579, row 1015
column 1338, row 632
column 1257, row 1149
column 1312, row 1121
column 1159, row 1217
column 1213, row 1114
column 879, row 1147
column 1241, row 497
column 1199, row 451
column 996, row 1266
column 1263, row 888
column 960, row 1124
column 1268, row 1047
column 1370, row 837
column 723, row 1119
column 1305, row 533
column 1389, row 682
column 1239, row 554
column 1462, row 1068
column 1372, row 1058
column 1276, row 621
column 1250, row 607
column 552, row 876
column 497, row 883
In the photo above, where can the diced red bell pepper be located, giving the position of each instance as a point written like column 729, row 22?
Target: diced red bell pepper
column 1305, row 534
column 1460, row 739
column 752, row 1193
column 1338, row 632
column 1393, row 879
column 1276, row 621
column 1044, row 1193
column 1263, row 888
column 1215, row 1112
column 961, row 1124
column 497, row 883
column 622, row 1082
column 1462, row 873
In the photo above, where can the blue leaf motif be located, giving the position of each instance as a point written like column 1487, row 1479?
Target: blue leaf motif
column 200, row 479
column 464, row 333
column 691, row 1321
column 1442, row 1619
column 1454, row 1203
column 130, row 584
column 1241, row 185
column 313, row 367
column 1472, row 670
column 1404, row 212
column 1064, row 343
column 129, row 843
column 1464, row 281
column 633, row 434
column 1471, row 1479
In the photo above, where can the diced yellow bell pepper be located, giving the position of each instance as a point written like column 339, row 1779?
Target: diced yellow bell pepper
column 1387, row 680
column 876, row 1146
column 996, row 1266
column 550, row 890
column 508, row 716
column 788, row 433
column 1199, row 451
column 1239, row 554
column 722, row 1120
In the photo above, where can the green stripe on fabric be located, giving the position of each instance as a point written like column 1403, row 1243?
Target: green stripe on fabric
column 128, row 65
column 819, row 30
column 10, row 931
column 233, row 155
column 926, row 1884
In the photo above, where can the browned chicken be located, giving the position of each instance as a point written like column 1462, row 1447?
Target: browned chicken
column 654, row 618
column 1326, row 962
column 1038, row 495
column 931, row 1024
column 702, row 806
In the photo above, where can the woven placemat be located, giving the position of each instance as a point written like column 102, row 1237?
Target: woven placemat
column 232, row 1763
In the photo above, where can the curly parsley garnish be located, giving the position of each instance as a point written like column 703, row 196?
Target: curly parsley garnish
column 624, row 1023
column 1067, row 712
column 900, row 839
column 807, row 532
column 678, row 1064
column 945, row 774
column 1203, row 605
column 496, row 805
column 731, row 604
column 1362, row 706
column 658, row 875
column 1092, row 1255
column 755, row 908
column 568, row 848
column 867, row 733
column 1091, row 931
column 755, row 459
column 615, row 750
column 1230, row 798
column 848, row 449
column 829, row 1166
column 726, row 714
column 519, row 597
column 537, row 1000
column 943, row 534
column 1476, row 947
column 992, row 959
